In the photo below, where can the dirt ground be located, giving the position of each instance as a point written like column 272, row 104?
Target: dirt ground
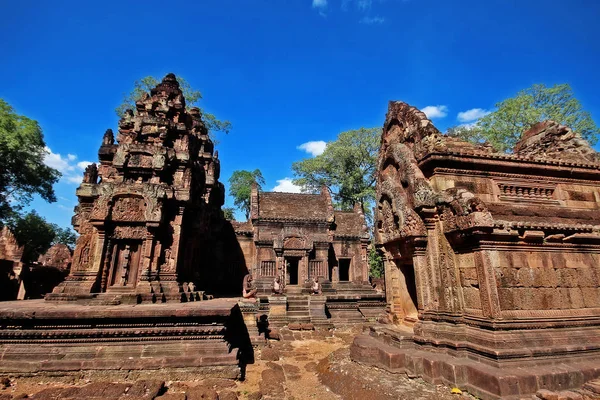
column 303, row 365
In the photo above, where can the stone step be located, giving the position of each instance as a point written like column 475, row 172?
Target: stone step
column 298, row 303
column 298, row 314
column 297, row 308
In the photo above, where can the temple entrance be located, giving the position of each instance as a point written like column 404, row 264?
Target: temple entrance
column 292, row 270
column 344, row 268
column 125, row 263
column 407, row 291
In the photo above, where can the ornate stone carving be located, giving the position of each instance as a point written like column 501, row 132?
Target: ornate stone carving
column 129, row 232
column 129, row 209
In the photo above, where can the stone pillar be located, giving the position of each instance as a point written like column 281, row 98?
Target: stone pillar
column 364, row 261
column 484, row 263
column 303, row 269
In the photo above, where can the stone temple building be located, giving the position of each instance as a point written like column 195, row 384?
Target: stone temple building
column 299, row 236
column 492, row 260
column 152, row 240
column 11, row 267
column 149, row 214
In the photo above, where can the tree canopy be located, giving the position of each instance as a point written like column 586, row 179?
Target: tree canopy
column 347, row 168
column 228, row 213
column 37, row 235
column 192, row 99
column 503, row 127
column 22, row 169
column 240, row 188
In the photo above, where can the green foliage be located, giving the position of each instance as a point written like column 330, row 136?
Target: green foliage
column 503, row 127
column 240, row 188
column 192, row 99
column 228, row 213
column 22, row 169
column 347, row 168
column 376, row 269
column 35, row 233
column 471, row 133
column 65, row 236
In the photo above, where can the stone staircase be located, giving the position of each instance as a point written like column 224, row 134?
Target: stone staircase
column 298, row 306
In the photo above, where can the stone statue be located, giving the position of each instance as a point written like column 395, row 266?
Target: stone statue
column 249, row 290
column 315, row 287
column 109, row 138
column 278, row 286
column 90, row 175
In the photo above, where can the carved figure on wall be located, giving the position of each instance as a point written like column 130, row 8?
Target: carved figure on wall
column 85, row 256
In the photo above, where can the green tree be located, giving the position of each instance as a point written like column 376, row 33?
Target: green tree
column 240, row 188
column 347, row 168
column 34, row 233
column 503, row 127
column 192, row 99
column 376, row 269
column 228, row 213
column 22, row 169
column 65, row 236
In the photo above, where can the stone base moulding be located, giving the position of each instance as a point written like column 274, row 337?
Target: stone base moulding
column 207, row 338
column 396, row 351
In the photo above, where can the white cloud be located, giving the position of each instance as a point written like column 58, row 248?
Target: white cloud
column 435, row 111
column 315, row 148
column 372, row 20
column 75, row 179
column 70, row 169
column 472, row 114
column 319, row 3
column 287, row 185
column 56, row 161
column 83, row 164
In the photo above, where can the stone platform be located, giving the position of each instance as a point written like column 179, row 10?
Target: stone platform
column 38, row 337
column 397, row 350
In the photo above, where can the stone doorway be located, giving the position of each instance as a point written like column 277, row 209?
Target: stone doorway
column 292, row 272
column 125, row 263
column 344, row 269
column 407, row 291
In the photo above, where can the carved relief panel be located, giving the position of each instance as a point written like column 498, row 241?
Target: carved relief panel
column 128, row 209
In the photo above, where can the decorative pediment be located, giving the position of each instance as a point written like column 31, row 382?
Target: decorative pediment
column 294, row 243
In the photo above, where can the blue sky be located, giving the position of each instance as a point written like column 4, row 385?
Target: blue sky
column 284, row 72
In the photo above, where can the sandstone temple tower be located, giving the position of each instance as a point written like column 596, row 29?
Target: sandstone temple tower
column 145, row 211
column 491, row 259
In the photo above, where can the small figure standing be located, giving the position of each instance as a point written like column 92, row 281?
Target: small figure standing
column 316, row 286
column 277, row 286
column 249, row 291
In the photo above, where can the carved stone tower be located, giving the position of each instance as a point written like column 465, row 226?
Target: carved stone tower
column 158, row 183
